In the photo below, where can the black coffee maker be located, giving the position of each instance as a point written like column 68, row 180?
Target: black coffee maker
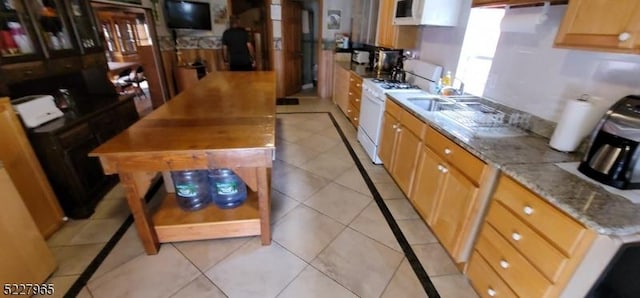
column 613, row 157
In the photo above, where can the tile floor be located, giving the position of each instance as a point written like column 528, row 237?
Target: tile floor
column 329, row 237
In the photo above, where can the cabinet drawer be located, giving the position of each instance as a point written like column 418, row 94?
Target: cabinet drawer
column 415, row 125
column 94, row 60
column 484, row 280
column 510, row 265
column 105, row 126
column 537, row 250
column 64, row 65
column 23, row 71
column 562, row 231
column 127, row 114
column 353, row 114
column 393, row 108
column 75, row 135
column 355, row 99
column 471, row 166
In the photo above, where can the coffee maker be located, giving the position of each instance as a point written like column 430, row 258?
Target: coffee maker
column 613, row 156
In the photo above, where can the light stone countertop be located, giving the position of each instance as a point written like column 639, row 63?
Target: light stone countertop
column 530, row 161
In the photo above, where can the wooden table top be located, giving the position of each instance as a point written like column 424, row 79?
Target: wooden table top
column 224, row 110
column 117, row 67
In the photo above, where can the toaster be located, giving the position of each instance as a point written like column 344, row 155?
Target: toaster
column 360, row 57
column 613, row 156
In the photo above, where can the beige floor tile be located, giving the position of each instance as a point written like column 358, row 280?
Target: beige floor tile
column 318, row 143
column 401, row 209
column 147, row 276
column 295, row 154
column 206, row 253
column 97, row 231
column 405, row 284
column 291, row 133
column 298, row 184
column 416, row 231
column 116, row 193
column 73, row 260
column 453, row 286
column 357, row 148
column 128, row 248
column 371, row 222
column 327, row 166
column 353, row 179
column 360, row 264
column 61, row 284
column 312, row 283
column 338, row 202
column 199, row 288
column 330, row 132
column 84, row 293
column 316, row 125
column 378, row 174
column 280, row 205
column 389, row 190
column 435, row 259
column 340, row 152
column 69, row 230
column 306, row 232
column 255, row 270
column 112, row 209
column 281, row 168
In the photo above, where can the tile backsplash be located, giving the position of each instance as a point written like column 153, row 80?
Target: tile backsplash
column 530, row 75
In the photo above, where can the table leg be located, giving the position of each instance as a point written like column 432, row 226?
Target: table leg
column 264, row 204
column 141, row 216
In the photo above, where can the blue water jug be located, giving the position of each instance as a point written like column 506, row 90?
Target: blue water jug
column 192, row 189
column 227, row 189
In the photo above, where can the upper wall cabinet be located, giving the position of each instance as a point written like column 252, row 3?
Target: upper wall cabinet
column 85, row 26
column 601, row 25
column 18, row 39
column 54, row 27
column 501, row 3
column 390, row 36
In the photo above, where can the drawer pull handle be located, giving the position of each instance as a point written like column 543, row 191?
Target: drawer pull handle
column 624, row 36
column 516, row 236
column 357, row 99
column 350, row 93
column 527, row 210
column 357, row 85
column 394, row 126
column 504, row 264
column 444, row 170
column 440, row 168
column 491, row 292
column 355, row 119
column 399, row 129
column 447, row 151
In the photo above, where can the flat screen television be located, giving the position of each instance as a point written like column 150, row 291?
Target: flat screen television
column 187, row 15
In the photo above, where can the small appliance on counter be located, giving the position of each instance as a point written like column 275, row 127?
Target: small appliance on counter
column 384, row 61
column 36, row 110
column 613, row 155
column 360, row 57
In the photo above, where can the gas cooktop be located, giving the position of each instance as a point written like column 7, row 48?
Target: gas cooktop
column 394, row 84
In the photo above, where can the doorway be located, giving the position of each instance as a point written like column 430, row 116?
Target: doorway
column 252, row 16
column 132, row 54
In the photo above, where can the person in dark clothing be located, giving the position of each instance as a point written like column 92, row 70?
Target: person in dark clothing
column 237, row 49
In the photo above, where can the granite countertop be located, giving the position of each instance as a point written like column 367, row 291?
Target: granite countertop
column 530, row 161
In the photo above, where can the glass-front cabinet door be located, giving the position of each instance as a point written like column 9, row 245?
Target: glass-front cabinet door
column 84, row 25
column 18, row 40
column 55, row 31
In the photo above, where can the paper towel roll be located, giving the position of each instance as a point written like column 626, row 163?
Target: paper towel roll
column 578, row 119
column 523, row 20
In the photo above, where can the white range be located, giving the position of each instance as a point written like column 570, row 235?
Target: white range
column 420, row 75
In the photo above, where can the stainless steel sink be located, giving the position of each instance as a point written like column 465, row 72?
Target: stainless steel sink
column 432, row 104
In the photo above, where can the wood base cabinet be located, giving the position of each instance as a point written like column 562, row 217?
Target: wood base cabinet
column 341, row 78
column 402, row 135
column 77, row 179
column 24, row 255
column 526, row 246
column 448, row 191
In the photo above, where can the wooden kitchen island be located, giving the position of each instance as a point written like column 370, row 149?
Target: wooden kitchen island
column 227, row 120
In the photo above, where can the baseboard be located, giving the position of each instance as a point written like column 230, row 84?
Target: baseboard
column 307, row 86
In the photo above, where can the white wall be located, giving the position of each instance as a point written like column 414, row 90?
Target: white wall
column 345, row 20
column 530, row 75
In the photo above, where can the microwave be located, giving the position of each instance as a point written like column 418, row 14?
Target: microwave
column 427, row 12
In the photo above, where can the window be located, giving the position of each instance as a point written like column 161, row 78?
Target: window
column 478, row 48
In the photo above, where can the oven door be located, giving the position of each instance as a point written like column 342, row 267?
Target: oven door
column 371, row 111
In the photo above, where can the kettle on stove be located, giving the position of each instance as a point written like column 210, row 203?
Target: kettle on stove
column 613, row 156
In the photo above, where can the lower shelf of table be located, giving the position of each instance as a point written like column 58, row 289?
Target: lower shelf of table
column 174, row 224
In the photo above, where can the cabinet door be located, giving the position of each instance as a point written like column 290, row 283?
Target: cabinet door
column 18, row 40
column 426, row 185
column 601, row 24
column 387, row 140
column 458, row 195
column 84, row 25
column 87, row 170
column 341, row 89
column 385, row 27
column 406, row 157
column 54, row 27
